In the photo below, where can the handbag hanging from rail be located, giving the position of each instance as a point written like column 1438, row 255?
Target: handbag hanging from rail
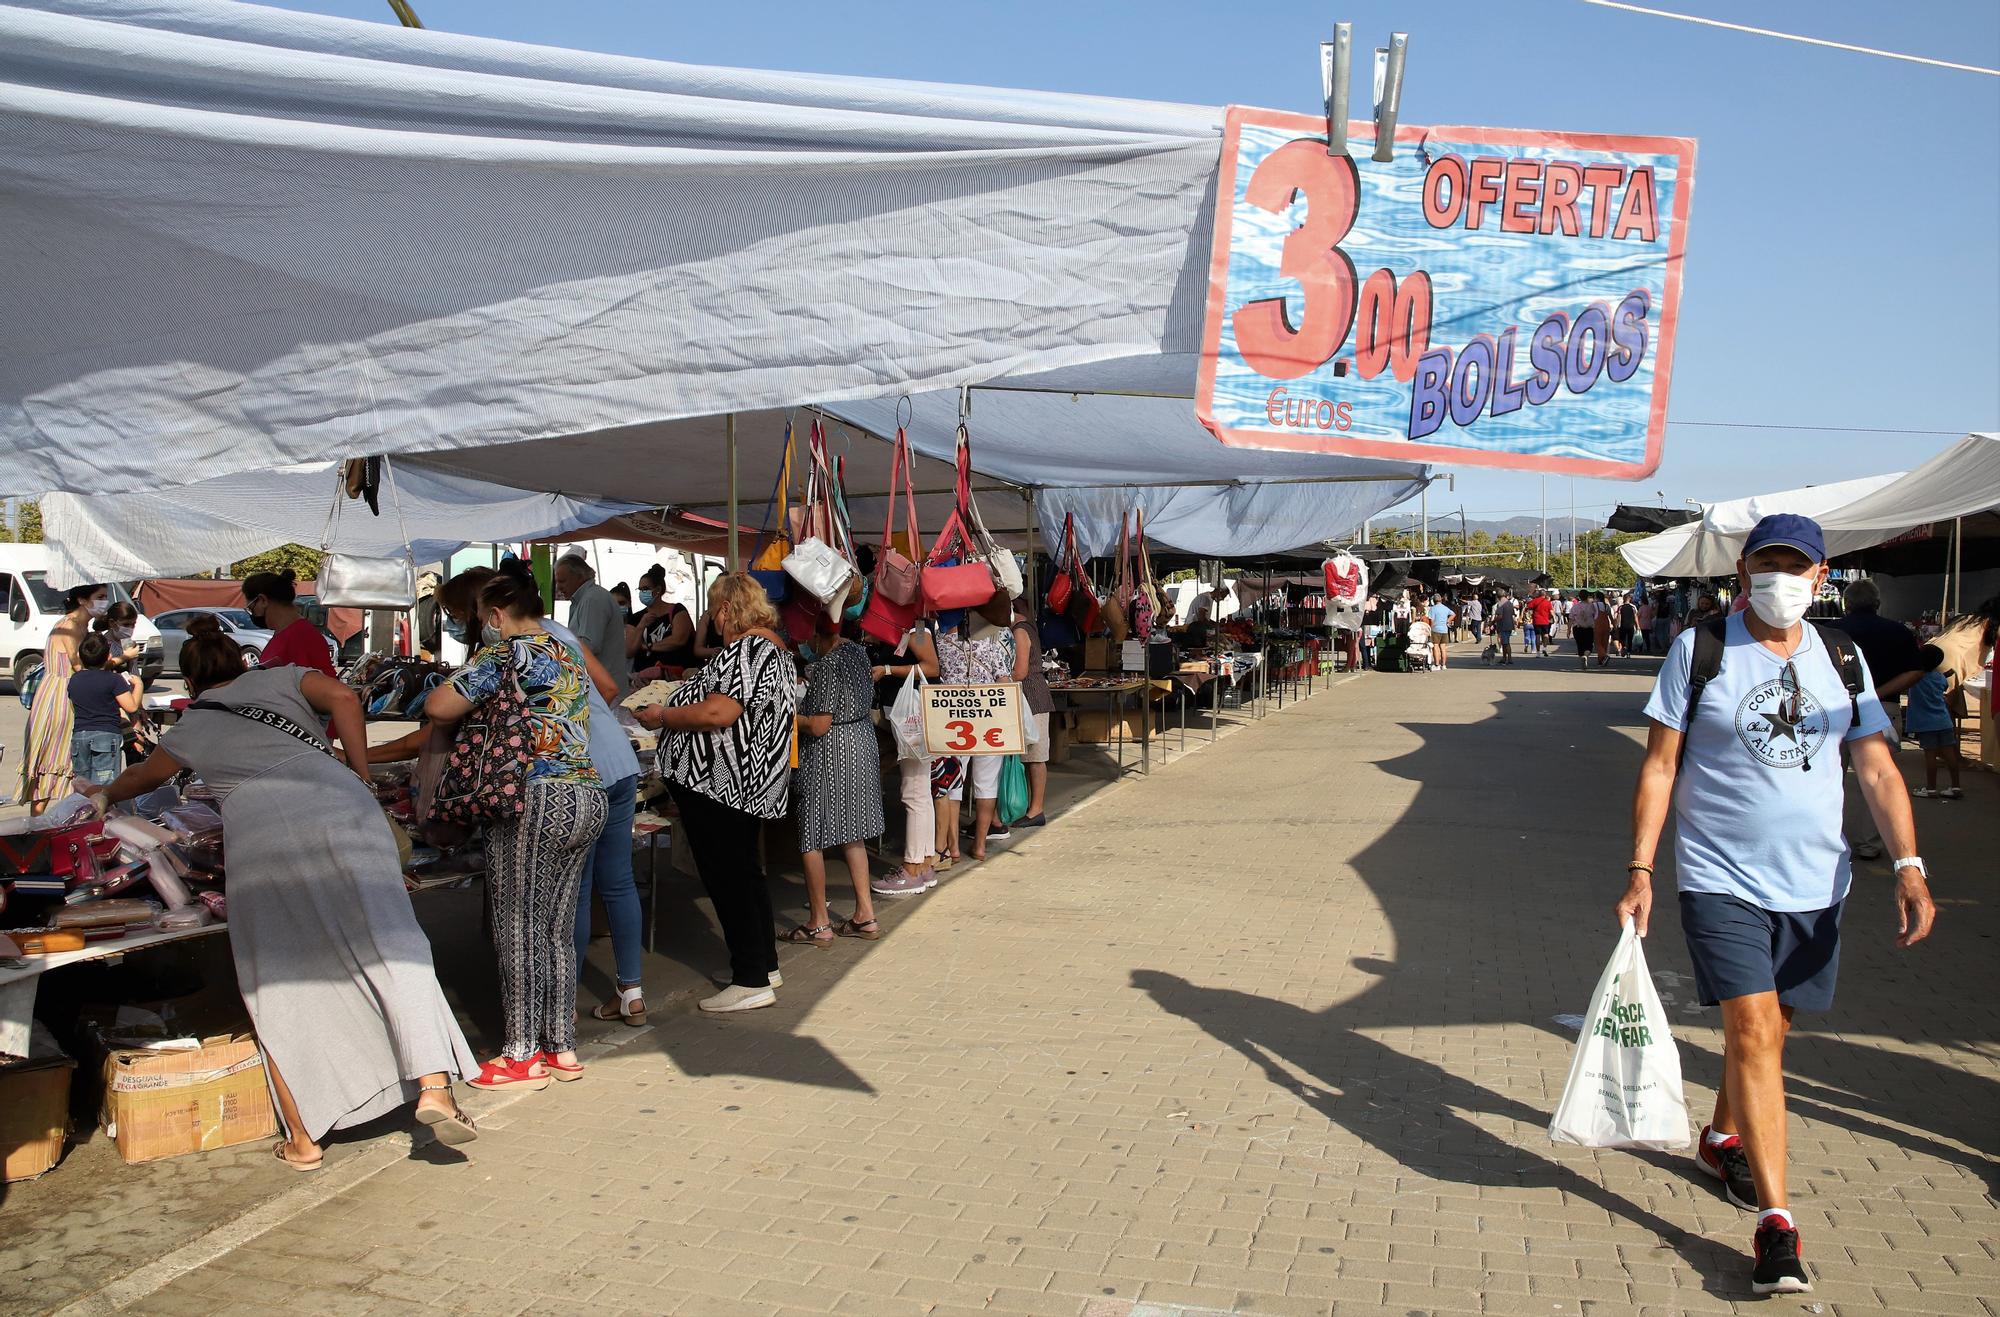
column 821, row 561
column 1001, row 563
column 348, row 580
column 1145, row 606
column 1081, row 603
column 767, row 563
column 897, row 599
column 967, row 582
column 1121, row 592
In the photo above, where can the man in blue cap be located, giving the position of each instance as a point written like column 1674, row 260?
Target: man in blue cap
column 1747, row 715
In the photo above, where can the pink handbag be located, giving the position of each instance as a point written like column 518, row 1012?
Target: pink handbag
column 897, row 578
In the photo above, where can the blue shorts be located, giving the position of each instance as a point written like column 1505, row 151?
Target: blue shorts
column 1740, row 949
column 1937, row 740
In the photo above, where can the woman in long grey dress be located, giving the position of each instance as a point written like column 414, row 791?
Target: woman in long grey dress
column 335, row 972
column 838, row 783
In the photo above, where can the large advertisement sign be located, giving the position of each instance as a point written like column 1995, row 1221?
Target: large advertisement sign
column 1489, row 298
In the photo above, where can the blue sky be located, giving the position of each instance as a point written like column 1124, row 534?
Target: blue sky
column 1844, row 248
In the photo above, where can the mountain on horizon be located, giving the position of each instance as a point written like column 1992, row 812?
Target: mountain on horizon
column 1560, row 528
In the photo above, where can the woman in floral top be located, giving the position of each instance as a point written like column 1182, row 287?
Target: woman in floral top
column 534, row 863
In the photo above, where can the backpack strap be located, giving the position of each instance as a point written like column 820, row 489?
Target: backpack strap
column 1708, row 646
column 1846, row 656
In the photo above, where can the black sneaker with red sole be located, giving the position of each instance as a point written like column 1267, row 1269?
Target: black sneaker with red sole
column 1729, row 1165
column 1781, row 1267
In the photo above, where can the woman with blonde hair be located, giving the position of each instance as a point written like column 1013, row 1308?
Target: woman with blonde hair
column 726, row 753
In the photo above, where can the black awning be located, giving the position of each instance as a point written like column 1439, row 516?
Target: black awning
column 1648, row 521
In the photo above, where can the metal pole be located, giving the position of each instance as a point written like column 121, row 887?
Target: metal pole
column 1958, row 567
column 1028, row 568
column 1573, row 583
column 729, row 446
column 1545, row 525
column 1425, row 509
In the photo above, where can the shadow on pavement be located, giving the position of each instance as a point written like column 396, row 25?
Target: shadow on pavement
column 1497, row 883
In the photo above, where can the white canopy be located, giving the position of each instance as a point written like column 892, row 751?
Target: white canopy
column 264, row 237
column 261, row 237
column 1853, row 514
column 195, row 528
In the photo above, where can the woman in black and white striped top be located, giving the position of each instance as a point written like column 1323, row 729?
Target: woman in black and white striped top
column 726, row 754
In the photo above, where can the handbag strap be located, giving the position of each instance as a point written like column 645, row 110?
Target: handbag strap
column 270, row 718
column 779, row 491
column 1124, row 551
column 1145, row 561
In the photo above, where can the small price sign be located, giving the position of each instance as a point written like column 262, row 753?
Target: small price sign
column 973, row 720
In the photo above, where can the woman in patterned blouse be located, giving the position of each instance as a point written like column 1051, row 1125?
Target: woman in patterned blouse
column 727, row 756
column 535, row 862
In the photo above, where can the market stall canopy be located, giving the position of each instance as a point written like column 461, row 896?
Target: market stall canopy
column 1099, row 456
column 1854, row 514
column 263, row 237
column 1647, row 521
column 194, row 528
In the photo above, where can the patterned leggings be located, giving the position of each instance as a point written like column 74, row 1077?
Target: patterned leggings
column 533, row 867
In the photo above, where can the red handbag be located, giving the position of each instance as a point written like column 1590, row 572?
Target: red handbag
column 1060, row 586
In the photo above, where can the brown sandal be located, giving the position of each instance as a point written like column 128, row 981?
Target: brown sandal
column 818, row 937
column 278, row 1151
column 870, row 929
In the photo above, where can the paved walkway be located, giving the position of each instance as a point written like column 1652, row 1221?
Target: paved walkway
column 1268, row 1032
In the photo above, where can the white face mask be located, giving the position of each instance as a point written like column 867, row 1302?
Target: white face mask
column 1781, row 599
column 490, row 634
column 99, row 607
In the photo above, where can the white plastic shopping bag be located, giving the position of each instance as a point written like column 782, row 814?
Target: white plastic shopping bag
column 1624, row 1087
column 906, row 717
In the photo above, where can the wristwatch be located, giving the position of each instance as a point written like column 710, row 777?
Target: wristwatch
column 1911, row 862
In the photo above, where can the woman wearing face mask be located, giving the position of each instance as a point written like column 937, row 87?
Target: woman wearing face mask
column 117, row 624
column 608, row 872
column 663, row 641
column 535, row 861
column 270, row 598
column 45, row 768
column 726, row 753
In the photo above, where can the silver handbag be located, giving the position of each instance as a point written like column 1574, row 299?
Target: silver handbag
column 348, row 580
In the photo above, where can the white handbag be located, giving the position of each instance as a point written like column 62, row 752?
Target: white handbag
column 1005, row 568
column 348, row 580
column 821, row 571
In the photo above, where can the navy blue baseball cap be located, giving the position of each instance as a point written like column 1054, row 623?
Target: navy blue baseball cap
column 1790, row 530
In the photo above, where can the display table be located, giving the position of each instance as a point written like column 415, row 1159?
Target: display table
column 1115, row 695
column 20, row 978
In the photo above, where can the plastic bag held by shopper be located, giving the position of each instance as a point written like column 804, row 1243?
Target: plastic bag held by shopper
column 1624, row 1088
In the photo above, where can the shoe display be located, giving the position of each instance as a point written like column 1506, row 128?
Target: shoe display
column 1780, row 1267
column 734, row 998
column 1728, row 1164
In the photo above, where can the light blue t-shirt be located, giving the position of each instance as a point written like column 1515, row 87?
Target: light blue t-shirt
column 611, row 752
column 1927, row 711
column 1440, row 618
column 1757, row 813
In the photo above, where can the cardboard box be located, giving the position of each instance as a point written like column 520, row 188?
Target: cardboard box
column 34, row 1109
column 169, row 1102
column 1100, row 727
column 1099, row 655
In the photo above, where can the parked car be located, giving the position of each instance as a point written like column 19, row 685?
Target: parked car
column 33, row 606
column 236, row 624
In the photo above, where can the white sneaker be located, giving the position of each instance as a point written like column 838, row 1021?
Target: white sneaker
column 777, row 979
column 733, row 998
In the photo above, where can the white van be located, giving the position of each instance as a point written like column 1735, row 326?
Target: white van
column 33, row 607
